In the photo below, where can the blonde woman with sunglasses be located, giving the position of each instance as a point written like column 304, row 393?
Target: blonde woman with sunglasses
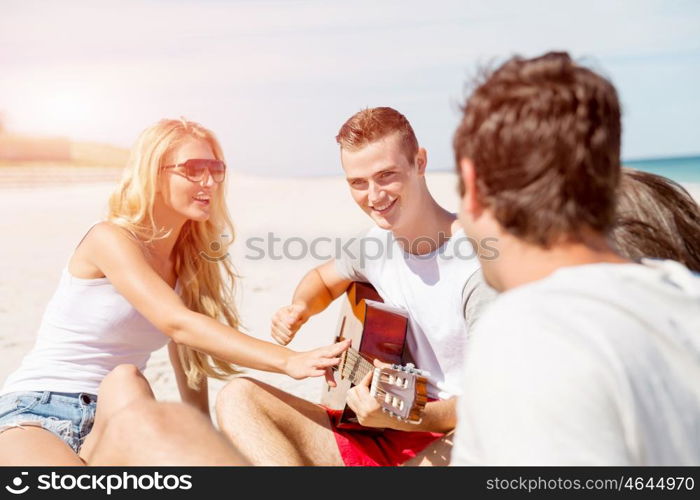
column 142, row 279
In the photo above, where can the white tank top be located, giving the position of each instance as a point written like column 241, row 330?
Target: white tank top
column 88, row 329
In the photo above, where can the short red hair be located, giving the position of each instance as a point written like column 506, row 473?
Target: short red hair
column 373, row 124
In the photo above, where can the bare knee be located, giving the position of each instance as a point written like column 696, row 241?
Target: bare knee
column 240, row 389
column 238, row 397
column 123, row 374
column 125, row 371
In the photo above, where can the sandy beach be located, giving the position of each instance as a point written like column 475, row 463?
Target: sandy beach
column 43, row 221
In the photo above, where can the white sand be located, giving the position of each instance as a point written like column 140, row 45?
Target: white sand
column 42, row 225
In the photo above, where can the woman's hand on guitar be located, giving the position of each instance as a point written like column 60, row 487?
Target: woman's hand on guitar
column 316, row 362
column 287, row 321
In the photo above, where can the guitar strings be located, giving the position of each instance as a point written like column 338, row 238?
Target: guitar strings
column 359, row 364
column 361, row 367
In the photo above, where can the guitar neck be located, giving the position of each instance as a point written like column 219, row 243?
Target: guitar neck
column 355, row 367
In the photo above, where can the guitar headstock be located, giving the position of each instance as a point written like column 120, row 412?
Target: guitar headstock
column 401, row 391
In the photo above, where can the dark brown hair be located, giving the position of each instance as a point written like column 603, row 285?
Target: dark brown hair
column 373, row 124
column 544, row 137
column 656, row 218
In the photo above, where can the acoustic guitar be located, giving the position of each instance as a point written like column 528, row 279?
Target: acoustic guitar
column 377, row 331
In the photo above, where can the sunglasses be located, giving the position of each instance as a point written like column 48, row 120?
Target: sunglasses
column 195, row 169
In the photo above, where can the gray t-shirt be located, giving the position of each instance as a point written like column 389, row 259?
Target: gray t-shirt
column 477, row 294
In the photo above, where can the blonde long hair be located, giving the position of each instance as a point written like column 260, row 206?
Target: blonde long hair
column 206, row 284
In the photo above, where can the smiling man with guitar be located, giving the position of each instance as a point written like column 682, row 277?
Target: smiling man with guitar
column 426, row 293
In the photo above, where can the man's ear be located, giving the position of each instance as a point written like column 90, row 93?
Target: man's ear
column 421, row 160
column 470, row 198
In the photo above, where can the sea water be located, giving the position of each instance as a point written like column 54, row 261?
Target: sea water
column 684, row 169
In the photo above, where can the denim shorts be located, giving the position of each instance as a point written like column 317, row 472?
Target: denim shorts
column 67, row 415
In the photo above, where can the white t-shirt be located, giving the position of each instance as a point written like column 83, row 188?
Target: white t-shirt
column 430, row 288
column 594, row 365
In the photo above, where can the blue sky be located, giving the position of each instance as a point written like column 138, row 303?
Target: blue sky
column 275, row 80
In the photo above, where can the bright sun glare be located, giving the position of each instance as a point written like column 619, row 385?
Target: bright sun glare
column 62, row 108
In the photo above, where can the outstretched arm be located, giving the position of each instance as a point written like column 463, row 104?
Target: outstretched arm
column 124, row 264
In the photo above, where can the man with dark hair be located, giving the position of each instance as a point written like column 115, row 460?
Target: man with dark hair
column 656, row 217
column 421, row 261
column 586, row 357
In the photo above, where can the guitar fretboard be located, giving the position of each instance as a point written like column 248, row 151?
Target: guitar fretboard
column 355, row 366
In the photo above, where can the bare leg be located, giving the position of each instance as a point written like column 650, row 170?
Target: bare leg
column 123, row 386
column 437, row 453
column 272, row 427
column 151, row 433
column 19, row 446
column 33, row 445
